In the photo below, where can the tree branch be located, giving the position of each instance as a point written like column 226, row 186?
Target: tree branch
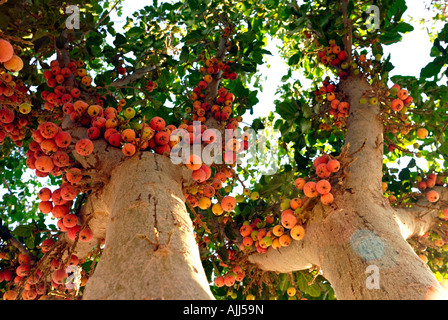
column 422, row 216
column 347, row 39
column 139, row 73
column 6, row 235
column 5, row 183
column 212, row 88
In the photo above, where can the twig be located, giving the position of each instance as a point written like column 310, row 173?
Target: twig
column 202, row 223
column 442, row 131
column 6, row 235
column 317, row 269
column 139, row 73
column 397, row 146
column 359, row 149
column 97, row 252
column 5, row 183
column 239, row 179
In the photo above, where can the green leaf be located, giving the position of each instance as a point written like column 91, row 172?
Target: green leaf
column 86, row 266
column 302, row 283
column 41, row 42
column 307, row 112
column 30, row 242
column 252, row 98
column 223, row 253
column 135, row 32
column 444, row 148
column 287, row 76
column 404, row 27
column 285, row 12
column 404, row 174
column 272, row 185
column 433, row 68
column 120, row 40
column 230, row 233
column 239, row 90
column 194, row 4
column 287, row 110
column 390, row 37
column 295, row 59
column 23, row 231
column 305, row 126
column 285, row 128
column 443, row 34
column 264, row 51
column 412, row 163
column 324, row 20
column 184, row 55
column 437, row 49
column 314, row 290
column 284, row 281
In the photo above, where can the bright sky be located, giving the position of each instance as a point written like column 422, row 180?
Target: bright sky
column 411, row 54
column 408, row 56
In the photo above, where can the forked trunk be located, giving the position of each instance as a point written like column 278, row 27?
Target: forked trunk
column 359, row 241
column 150, row 249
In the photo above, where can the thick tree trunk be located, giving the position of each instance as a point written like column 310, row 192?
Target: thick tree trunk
column 138, row 207
column 359, row 242
column 150, row 249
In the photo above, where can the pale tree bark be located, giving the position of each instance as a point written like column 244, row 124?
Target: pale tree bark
column 150, row 250
column 138, row 207
column 359, row 241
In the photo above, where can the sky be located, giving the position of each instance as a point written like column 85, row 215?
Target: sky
column 413, row 53
column 408, row 56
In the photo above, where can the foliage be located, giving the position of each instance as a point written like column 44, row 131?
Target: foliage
column 153, row 68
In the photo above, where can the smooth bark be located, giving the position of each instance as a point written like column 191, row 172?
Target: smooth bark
column 359, row 241
column 150, row 250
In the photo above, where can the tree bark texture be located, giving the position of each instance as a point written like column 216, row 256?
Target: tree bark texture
column 138, row 207
column 359, row 241
column 150, row 249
